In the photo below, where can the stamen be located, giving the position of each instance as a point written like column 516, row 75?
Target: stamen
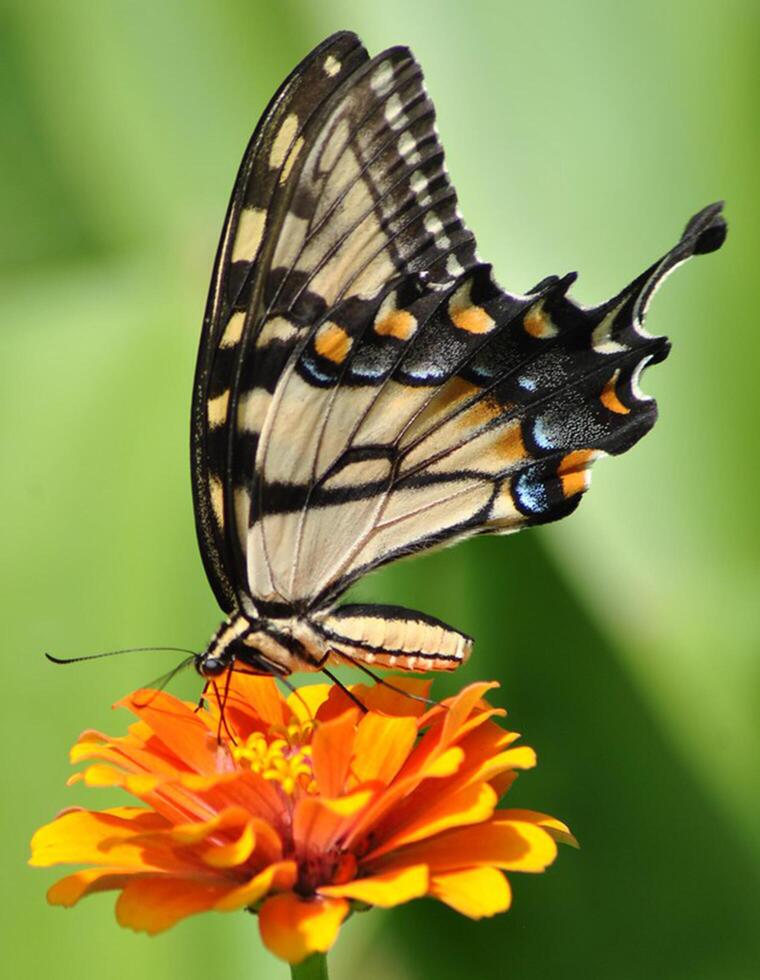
column 282, row 756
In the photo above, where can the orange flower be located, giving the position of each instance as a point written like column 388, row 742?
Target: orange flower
column 302, row 807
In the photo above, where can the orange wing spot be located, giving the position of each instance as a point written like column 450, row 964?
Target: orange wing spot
column 474, row 319
column 610, row 398
column 332, row 342
column 399, row 324
column 574, row 471
column 538, row 324
column 465, row 315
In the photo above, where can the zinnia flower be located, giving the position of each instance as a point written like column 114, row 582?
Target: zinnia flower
column 299, row 807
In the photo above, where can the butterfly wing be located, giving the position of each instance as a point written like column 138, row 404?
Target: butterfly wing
column 370, row 390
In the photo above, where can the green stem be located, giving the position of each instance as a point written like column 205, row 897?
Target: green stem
column 313, row 967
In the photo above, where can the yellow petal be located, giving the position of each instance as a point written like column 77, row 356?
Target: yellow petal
column 275, row 877
column 522, row 757
column 305, row 702
column 294, row 929
column 475, row 892
column 233, row 854
column 558, row 830
column 445, row 764
column 384, row 890
column 104, row 838
column 189, row 834
column 506, row 844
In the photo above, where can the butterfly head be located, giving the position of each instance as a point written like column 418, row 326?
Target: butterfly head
column 237, row 642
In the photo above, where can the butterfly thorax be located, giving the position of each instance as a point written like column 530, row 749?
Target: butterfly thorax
column 263, row 646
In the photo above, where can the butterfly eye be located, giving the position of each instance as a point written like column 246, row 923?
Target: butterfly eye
column 211, row 666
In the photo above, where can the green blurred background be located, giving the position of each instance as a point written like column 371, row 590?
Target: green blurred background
column 580, row 136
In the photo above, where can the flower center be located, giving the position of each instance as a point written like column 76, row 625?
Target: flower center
column 282, row 755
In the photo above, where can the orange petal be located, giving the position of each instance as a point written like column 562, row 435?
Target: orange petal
column 275, row 877
column 475, row 892
column 437, row 766
column 69, row 890
column 505, row 844
column 318, row 821
column 253, row 703
column 331, row 750
column 472, row 804
column 222, row 852
column 382, row 698
column 502, row 782
column 294, row 929
column 382, row 746
column 558, row 830
column 460, row 708
column 154, row 904
column 176, row 725
column 385, row 890
column 127, row 755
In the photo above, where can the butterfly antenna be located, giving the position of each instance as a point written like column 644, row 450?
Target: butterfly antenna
column 116, row 653
column 345, row 690
column 160, row 683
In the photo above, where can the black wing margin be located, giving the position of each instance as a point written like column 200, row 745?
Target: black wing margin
column 243, row 232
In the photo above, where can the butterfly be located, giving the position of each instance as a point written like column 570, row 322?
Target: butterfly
column 365, row 390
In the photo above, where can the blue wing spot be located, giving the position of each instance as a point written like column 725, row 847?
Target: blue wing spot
column 541, row 436
column 531, row 494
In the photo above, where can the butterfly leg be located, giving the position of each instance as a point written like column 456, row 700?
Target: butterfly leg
column 221, row 700
column 349, row 694
column 201, row 699
column 385, row 683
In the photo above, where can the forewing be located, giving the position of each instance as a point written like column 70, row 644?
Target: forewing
column 343, row 191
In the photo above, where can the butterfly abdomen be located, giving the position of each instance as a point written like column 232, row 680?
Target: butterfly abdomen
column 393, row 637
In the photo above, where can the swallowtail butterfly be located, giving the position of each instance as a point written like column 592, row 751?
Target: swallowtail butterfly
column 365, row 390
